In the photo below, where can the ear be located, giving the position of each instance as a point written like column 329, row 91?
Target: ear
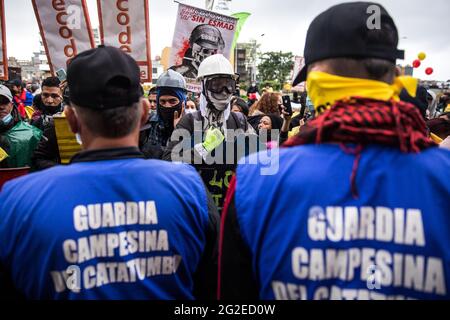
column 72, row 119
column 145, row 106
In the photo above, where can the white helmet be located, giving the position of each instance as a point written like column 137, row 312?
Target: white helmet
column 215, row 65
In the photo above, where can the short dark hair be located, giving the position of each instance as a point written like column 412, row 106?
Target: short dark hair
column 152, row 91
column 51, row 82
column 111, row 123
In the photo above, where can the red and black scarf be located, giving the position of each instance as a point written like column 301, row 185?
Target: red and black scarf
column 363, row 121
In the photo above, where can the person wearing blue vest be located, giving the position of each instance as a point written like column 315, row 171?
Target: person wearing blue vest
column 359, row 207
column 111, row 225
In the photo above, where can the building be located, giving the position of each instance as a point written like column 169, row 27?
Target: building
column 246, row 56
column 240, row 64
column 33, row 70
column 406, row 70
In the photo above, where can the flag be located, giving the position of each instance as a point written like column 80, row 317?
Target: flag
column 242, row 18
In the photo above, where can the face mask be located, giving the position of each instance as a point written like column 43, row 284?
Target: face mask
column 220, row 92
column 168, row 114
column 325, row 89
column 188, row 111
column 222, row 103
column 7, row 119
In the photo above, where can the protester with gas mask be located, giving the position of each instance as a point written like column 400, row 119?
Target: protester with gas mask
column 171, row 102
column 205, row 137
column 18, row 139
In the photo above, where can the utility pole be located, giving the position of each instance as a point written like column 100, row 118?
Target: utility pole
column 209, row 4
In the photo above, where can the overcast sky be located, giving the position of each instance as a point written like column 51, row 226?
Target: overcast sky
column 423, row 26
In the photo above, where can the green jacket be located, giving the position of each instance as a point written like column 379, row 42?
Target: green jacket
column 20, row 142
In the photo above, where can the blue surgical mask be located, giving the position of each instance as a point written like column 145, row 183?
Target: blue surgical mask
column 7, row 119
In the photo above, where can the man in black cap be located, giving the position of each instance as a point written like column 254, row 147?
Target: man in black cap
column 359, row 196
column 111, row 225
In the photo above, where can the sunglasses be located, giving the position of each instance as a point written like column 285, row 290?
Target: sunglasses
column 52, row 95
column 220, row 84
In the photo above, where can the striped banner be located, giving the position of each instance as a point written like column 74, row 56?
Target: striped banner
column 65, row 29
column 125, row 24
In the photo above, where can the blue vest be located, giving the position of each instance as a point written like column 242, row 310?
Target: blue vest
column 311, row 239
column 119, row 229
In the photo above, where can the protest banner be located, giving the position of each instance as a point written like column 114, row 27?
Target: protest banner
column 65, row 30
column 125, row 24
column 199, row 34
column 3, row 55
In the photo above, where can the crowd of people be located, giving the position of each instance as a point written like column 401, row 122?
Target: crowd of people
column 178, row 195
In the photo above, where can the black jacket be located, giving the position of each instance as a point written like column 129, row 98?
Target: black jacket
column 46, row 154
column 216, row 175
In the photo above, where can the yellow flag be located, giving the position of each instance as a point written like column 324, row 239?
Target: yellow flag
column 3, row 155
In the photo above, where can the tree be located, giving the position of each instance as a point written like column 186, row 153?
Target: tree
column 275, row 67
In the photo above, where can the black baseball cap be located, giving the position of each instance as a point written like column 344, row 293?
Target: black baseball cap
column 343, row 32
column 92, row 71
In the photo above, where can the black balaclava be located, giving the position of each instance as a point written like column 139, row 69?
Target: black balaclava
column 167, row 115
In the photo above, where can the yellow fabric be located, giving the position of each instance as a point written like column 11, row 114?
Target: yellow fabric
column 294, row 132
column 29, row 110
column 325, row 89
column 3, row 155
column 67, row 143
column 447, row 109
column 435, row 138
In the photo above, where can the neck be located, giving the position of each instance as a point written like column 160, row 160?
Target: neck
column 96, row 143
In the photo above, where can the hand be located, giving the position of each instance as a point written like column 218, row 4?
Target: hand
column 63, row 85
column 176, row 118
column 286, row 116
column 213, row 139
column 286, row 120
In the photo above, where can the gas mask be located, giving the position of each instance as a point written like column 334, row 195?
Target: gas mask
column 200, row 53
column 219, row 91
